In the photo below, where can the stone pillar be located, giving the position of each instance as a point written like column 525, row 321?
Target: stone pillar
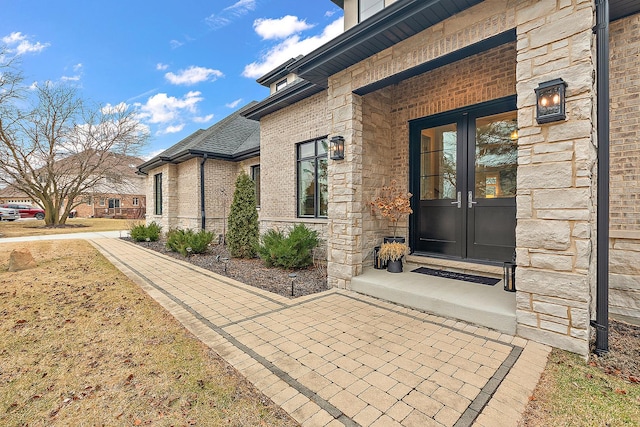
column 346, row 205
column 556, row 175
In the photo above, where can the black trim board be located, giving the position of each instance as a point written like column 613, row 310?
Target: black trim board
column 462, row 53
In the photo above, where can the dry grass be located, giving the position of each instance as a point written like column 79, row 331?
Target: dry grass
column 574, row 393
column 81, row 345
column 34, row 227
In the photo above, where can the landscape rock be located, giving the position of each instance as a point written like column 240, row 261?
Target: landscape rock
column 21, row 259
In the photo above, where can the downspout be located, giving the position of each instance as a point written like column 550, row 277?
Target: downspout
column 602, row 296
column 202, row 197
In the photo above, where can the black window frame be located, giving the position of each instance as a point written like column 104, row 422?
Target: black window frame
column 316, row 157
column 255, row 171
column 157, row 193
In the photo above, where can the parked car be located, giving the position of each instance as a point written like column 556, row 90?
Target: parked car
column 8, row 214
column 26, row 211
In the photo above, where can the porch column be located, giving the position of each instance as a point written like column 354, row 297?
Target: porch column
column 345, row 208
column 556, row 176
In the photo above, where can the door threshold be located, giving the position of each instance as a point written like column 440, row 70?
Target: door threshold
column 488, row 268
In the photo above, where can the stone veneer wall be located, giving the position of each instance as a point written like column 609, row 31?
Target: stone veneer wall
column 556, row 176
column 624, row 278
column 282, row 131
column 352, row 229
column 168, row 219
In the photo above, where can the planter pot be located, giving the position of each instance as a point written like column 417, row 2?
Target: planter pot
column 394, row 266
column 394, row 239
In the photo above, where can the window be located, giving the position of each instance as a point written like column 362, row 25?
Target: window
column 136, row 202
column 255, row 175
column 281, row 85
column 157, row 191
column 367, row 8
column 89, row 200
column 114, row 203
column 312, row 178
column 102, row 201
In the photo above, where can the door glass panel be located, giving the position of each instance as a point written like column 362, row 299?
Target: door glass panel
column 438, row 147
column 496, row 156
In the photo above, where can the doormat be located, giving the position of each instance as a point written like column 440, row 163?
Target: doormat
column 457, row 276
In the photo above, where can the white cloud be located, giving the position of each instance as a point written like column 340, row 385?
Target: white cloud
column 161, row 67
column 77, row 68
column 233, row 104
column 203, row 119
column 75, row 78
column 171, row 129
column 226, row 16
column 113, row 109
column 152, row 154
column 19, row 44
column 241, row 7
column 193, row 75
column 291, row 48
column 329, row 13
column 281, row 28
column 175, row 44
column 164, row 109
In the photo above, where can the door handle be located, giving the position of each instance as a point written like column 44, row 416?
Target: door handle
column 459, row 201
column 470, row 201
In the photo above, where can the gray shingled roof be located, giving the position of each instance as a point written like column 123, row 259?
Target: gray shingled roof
column 232, row 138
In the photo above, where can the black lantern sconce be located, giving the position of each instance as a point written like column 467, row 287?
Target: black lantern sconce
column 336, row 148
column 550, row 97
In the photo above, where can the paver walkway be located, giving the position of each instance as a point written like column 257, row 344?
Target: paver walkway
column 343, row 359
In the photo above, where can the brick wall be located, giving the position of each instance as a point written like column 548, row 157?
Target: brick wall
column 624, row 83
column 283, row 130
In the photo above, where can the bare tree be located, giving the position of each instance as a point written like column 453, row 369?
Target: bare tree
column 58, row 147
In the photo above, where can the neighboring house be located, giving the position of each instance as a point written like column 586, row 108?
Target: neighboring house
column 121, row 194
column 118, row 194
column 441, row 96
column 191, row 184
column 11, row 195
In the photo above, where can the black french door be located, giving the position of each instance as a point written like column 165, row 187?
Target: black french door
column 463, row 167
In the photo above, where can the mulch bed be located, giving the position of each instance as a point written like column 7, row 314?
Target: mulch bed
column 623, row 358
column 252, row 271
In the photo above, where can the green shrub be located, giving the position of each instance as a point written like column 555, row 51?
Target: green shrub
column 179, row 240
column 243, row 232
column 142, row 232
column 292, row 250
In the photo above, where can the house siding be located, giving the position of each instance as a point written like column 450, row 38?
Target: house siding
column 624, row 279
column 181, row 194
column 282, row 131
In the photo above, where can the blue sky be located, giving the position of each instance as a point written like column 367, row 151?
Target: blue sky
column 183, row 65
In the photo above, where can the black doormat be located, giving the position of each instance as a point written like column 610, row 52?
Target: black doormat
column 457, row 276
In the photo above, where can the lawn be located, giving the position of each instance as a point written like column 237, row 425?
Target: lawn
column 80, row 344
column 34, row 227
column 574, row 393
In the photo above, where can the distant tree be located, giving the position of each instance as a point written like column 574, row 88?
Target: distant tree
column 243, row 232
column 55, row 147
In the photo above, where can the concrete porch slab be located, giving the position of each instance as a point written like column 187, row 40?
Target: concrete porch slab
column 483, row 305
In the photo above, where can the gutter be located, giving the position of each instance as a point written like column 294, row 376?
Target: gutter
column 601, row 323
column 202, row 195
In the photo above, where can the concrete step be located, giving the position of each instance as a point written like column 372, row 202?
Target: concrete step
column 483, row 305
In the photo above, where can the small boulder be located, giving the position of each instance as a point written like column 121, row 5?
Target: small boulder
column 21, row 259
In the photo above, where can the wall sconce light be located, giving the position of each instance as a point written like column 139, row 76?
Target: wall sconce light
column 336, row 148
column 550, row 97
